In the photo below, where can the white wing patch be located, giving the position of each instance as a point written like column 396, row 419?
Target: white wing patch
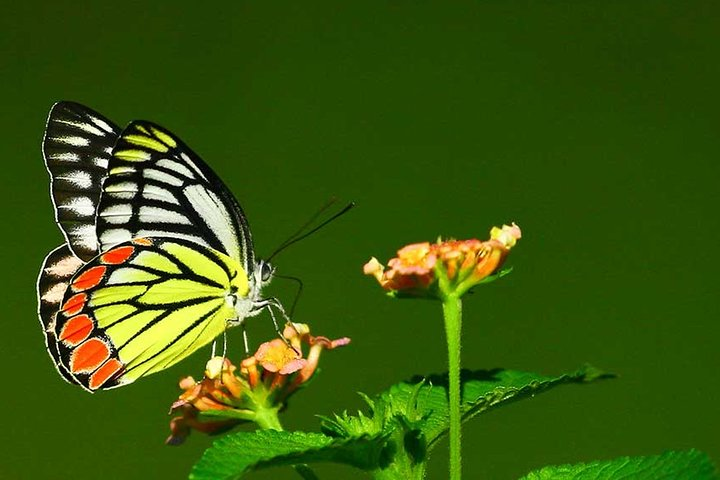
column 64, row 157
column 162, row 177
column 74, row 141
column 117, row 214
column 120, row 209
column 101, row 123
column 114, row 236
column 85, row 127
column 187, row 159
column 81, row 206
column 79, row 178
column 214, row 215
column 175, row 167
column 160, row 215
column 153, row 192
column 64, row 267
column 84, row 235
column 55, row 293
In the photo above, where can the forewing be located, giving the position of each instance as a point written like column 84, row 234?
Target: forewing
column 142, row 306
column 58, row 268
column 77, row 147
column 157, row 187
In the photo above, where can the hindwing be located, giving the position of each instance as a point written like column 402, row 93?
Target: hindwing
column 142, row 306
column 55, row 274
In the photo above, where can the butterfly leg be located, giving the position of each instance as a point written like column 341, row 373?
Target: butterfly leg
column 245, row 341
column 224, row 344
column 213, row 352
column 275, row 303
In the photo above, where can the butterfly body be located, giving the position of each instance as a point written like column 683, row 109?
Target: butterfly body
column 158, row 259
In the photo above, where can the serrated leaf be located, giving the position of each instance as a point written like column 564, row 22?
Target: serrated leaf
column 482, row 390
column 413, row 415
column 688, row 465
column 235, row 454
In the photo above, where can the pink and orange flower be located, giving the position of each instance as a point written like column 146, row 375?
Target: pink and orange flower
column 261, row 385
column 438, row 269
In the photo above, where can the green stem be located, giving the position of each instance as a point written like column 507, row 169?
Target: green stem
column 452, row 311
column 267, row 419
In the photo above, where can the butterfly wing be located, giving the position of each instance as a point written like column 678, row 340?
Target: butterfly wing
column 158, row 250
column 77, row 148
column 157, row 187
column 58, row 268
column 142, row 306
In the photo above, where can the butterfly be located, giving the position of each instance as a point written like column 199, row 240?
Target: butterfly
column 158, row 257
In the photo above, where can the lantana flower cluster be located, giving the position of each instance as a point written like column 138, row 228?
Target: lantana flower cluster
column 444, row 267
column 254, row 392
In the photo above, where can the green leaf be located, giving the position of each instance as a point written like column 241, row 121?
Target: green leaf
column 690, row 465
column 394, row 440
column 414, row 415
column 238, row 453
column 482, row 390
column 496, row 276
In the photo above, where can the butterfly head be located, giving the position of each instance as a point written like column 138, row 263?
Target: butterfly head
column 247, row 301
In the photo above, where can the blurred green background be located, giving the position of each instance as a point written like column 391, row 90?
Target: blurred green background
column 594, row 125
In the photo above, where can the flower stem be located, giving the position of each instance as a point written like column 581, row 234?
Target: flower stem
column 452, row 311
column 267, row 419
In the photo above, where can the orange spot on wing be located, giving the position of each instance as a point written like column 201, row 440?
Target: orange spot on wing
column 117, row 255
column 104, row 373
column 74, row 304
column 88, row 356
column 142, row 241
column 76, row 330
column 89, row 278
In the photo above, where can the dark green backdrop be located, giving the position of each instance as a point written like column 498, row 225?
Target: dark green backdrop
column 594, row 125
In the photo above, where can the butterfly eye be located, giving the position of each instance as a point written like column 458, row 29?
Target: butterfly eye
column 266, row 271
column 232, row 300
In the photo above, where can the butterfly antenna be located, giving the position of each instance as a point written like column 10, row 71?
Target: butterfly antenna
column 297, row 295
column 313, row 217
column 300, row 234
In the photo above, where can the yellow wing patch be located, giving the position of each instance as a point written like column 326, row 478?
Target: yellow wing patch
column 156, row 261
column 147, row 142
column 179, row 290
column 132, row 155
column 189, row 328
column 122, row 332
column 164, row 137
column 115, row 294
column 199, row 263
